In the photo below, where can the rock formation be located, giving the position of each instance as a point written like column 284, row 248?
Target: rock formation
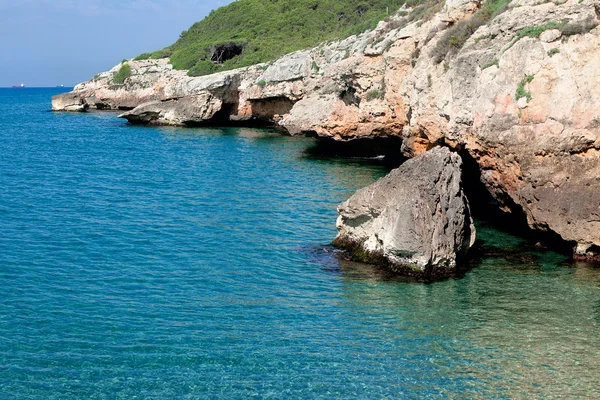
column 69, row 102
column 187, row 110
column 519, row 96
column 416, row 220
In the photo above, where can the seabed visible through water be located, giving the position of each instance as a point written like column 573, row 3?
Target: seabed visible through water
column 170, row 263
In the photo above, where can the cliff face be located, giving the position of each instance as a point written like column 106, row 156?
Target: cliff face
column 519, row 96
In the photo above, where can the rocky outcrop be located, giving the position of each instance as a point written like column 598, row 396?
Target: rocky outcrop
column 416, row 220
column 530, row 120
column 69, row 102
column 519, row 96
column 188, row 110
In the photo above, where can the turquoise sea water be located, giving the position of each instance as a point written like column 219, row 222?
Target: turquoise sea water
column 192, row 263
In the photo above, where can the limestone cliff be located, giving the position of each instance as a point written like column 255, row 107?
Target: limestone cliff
column 518, row 94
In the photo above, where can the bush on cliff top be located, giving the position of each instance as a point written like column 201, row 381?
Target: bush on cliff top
column 123, row 73
column 267, row 29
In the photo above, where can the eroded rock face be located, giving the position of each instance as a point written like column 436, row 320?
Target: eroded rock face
column 539, row 151
column 68, row 102
column 538, row 148
column 416, row 220
column 188, row 110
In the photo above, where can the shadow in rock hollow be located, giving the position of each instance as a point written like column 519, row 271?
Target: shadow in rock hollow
column 383, row 151
column 504, row 215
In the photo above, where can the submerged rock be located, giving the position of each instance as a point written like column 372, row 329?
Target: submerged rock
column 416, row 220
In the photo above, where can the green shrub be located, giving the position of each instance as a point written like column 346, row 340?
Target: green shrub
column 262, row 83
column 535, row 31
column 123, row 73
column 579, row 27
column 424, row 9
column 157, row 55
column 553, row 51
column 375, row 94
column 145, row 56
column 455, row 37
column 204, row 67
column 484, row 37
column 521, row 92
column 491, row 63
column 566, row 28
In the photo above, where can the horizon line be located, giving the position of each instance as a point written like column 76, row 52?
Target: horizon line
column 36, row 87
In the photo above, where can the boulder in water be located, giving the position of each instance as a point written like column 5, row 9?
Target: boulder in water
column 416, row 220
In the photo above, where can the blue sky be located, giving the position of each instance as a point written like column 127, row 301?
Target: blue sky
column 64, row 42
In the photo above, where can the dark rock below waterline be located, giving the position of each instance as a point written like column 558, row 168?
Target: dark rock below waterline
column 415, row 221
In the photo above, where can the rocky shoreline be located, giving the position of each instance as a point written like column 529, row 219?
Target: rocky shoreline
column 517, row 98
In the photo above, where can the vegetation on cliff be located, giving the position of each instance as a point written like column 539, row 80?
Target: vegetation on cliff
column 456, row 37
column 123, row 73
column 248, row 32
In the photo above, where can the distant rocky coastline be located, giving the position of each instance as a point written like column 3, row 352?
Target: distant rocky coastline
column 518, row 98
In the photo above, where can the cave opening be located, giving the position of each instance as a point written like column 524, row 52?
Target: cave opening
column 592, row 255
column 269, row 108
column 380, row 150
column 487, row 209
column 226, row 117
column 223, row 52
column 349, row 97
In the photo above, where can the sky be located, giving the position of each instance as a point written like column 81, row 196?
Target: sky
column 64, row 42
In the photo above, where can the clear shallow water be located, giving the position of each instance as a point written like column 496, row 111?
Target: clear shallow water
column 169, row 263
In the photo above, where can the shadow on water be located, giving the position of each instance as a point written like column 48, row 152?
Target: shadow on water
column 500, row 234
column 336, row 262
column 245, row 132
column 333, row 261
column 510, row 254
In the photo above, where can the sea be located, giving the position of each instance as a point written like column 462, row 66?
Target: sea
column 167, row 263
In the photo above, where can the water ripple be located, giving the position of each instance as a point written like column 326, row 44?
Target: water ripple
column 169, row 263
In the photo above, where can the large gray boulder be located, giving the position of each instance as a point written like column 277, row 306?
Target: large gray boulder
column 416, row 220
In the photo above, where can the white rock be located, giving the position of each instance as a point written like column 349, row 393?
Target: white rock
column 550, row 35
column 416, row 220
